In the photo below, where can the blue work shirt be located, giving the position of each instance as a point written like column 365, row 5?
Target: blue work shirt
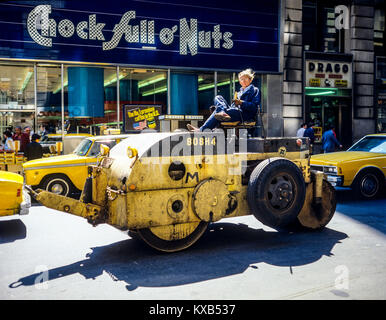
column 251, row 101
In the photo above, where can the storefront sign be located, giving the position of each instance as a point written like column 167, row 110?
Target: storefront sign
column 199, row 34
column 341, row 83
column 42, row 29
column 328, row 74
column 314, row 82
column 139, row 117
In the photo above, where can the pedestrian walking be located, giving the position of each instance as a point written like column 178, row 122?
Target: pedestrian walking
column 310, row 133
column 329, row 140
column 300, row 132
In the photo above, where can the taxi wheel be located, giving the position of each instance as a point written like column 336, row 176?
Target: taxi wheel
column 276, row 192
column 368, row 184
column 58, row 184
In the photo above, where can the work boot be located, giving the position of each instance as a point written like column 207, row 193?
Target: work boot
column 191, row 128
column 222, row 116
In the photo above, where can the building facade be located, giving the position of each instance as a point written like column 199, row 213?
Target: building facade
column 80, row 64
column 334, row 66
column 62, row 61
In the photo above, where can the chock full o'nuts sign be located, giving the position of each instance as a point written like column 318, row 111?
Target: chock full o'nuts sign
column 42, row 28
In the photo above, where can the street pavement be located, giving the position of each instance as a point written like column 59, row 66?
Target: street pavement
column 53, row 255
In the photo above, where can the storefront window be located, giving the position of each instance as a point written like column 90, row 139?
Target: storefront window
column 331, row 36
column 143, row 97
column 381, row 93
column 225, row 86
column 319, row 32
column 49, row 101
column 206, row 93
column 89, row 99
column 86, row 93
column 309, row 15
column 379, row 32
column 17, row 103
column 143, row 86
column 110, row 99
column 90, row 94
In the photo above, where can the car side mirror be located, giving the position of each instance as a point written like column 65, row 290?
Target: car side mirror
column 104, row 150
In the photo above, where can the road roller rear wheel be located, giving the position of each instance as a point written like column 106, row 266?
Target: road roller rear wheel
column 175, row 237
column 276, row 192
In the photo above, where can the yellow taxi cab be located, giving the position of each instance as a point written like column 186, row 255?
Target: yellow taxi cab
column 66, row 174
column 14, row 199
column 71, row 140
column 362, row 167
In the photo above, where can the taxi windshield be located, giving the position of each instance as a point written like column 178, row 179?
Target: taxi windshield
column 370, row 144
column 82, row 148
column 47, row 138
column 95, row 149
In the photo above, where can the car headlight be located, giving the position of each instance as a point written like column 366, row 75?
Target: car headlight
column 333, row 170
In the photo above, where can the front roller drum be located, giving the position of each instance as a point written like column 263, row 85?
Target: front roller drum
column 174, row 237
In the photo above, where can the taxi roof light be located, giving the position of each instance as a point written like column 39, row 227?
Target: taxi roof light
column 132, row 152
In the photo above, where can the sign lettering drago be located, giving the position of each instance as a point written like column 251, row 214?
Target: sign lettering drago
column 328, row 74
column 42, row 29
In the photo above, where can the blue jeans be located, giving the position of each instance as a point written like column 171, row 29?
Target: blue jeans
column 221, row 105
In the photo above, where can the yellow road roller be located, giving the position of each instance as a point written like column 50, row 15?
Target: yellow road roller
column 166, row 188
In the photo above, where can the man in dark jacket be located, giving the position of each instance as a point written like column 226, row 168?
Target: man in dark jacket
column 310, row 133
column 243, row 108
column 33, row 150
column 329, row 140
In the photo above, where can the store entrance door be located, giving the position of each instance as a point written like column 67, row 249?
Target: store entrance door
column 344, row 126
column 327, row 110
